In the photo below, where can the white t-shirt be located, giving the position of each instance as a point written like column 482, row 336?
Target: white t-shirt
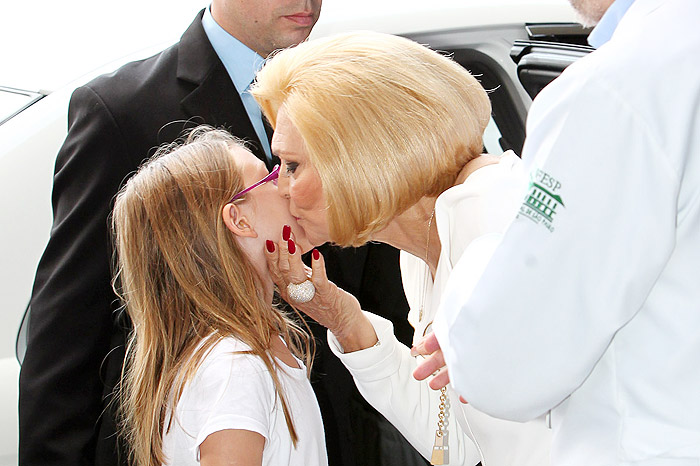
column 235, row 391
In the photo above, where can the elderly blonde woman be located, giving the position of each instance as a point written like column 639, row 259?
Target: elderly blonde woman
column 380, row 139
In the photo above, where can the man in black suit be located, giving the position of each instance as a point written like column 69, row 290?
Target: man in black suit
column 76, row 332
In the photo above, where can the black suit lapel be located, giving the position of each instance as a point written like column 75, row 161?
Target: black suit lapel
column 214, row 99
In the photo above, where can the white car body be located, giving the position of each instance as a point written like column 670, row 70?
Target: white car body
column 30, row 140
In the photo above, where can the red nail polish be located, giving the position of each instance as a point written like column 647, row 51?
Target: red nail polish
column 316, row 254
column 291, row 246
column 286, row 232
column 270, row 246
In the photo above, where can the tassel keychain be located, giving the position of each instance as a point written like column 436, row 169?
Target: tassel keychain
column 441, row 448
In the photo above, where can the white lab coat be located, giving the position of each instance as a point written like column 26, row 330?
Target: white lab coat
column 601, row 318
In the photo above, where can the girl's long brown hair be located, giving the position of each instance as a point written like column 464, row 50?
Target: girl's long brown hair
column 186, row 285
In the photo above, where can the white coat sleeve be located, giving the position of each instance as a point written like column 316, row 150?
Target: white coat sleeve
column 384, row 376
column 594, row 231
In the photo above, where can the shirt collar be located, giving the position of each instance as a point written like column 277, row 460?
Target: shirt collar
column 240, row 62
column 608, row 23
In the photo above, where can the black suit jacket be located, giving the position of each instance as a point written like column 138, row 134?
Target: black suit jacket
column 75, row 346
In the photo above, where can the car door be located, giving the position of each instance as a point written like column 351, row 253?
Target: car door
column 539, row 63
column 513, row 63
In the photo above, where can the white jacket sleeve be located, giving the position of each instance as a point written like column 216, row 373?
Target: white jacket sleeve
column 594, row 232
column 384, row 376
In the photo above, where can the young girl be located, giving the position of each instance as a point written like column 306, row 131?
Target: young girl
column 214, row 372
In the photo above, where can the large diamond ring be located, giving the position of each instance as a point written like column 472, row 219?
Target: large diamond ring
column 301, row 293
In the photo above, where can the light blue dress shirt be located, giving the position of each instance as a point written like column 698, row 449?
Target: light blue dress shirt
column 608, row 23
column 241, row 63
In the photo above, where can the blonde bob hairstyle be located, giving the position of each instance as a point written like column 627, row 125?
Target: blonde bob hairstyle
column 385, row 120
column 186, row 284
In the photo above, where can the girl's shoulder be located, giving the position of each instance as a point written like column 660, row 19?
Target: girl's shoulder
column 230, row 359
column 229, row 344
column 227, row 371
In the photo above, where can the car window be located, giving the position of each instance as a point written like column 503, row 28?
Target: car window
column 492, row 138
column 13, row 101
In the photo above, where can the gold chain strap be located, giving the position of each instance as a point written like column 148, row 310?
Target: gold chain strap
column 441, row 449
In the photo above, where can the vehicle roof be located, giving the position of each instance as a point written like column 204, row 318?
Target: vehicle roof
column 69, row 39
column 418, row 16
column 52, row 43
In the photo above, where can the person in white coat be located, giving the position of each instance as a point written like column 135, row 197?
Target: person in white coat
column 590, row 306
column 380, row 139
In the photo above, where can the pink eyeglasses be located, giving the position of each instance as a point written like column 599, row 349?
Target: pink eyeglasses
column 272, row 176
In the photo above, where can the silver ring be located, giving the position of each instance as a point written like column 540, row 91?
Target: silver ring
column 301, row 293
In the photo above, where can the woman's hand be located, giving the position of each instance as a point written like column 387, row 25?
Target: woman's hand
column 433, row 364
column 332, row 307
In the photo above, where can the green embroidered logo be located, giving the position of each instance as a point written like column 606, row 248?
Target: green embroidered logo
column 541, row 202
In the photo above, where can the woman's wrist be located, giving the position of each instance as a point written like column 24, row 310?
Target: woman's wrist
column 356, row 335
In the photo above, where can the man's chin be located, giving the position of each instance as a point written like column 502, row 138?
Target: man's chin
column 587, row 13
column 585, row 20
column 296, row 35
